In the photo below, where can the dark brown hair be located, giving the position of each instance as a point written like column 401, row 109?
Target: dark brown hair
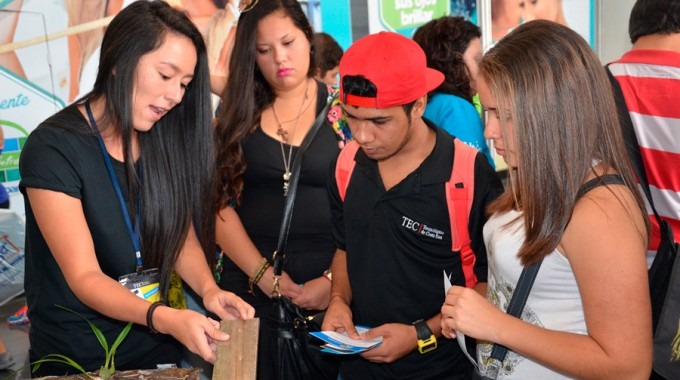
column 247, row 93
column 327, row 52
column 444, row 41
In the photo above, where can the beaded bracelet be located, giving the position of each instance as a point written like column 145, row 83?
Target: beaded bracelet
column 264, row 264
column 149, row 316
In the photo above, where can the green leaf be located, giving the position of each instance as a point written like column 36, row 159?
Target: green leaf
column 97, row 332
column 109, row 357
column 61, row 359
column 109, row 366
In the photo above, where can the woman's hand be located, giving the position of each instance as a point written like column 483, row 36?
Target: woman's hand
column 196, row 332
column 227, row 305
column 287, row 287
column 315, row 294
column 465, row 310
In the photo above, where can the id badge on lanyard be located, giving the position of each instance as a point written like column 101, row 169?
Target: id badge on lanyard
column 144, row 284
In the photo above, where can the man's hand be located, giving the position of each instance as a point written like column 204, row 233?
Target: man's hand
column 398, row 341
column 339, row 318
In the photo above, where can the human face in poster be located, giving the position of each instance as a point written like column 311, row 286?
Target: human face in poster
column 508, row 14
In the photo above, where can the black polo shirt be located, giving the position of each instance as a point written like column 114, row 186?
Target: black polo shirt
column 396, row 271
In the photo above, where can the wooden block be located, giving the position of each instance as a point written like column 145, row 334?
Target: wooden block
column 237, row 357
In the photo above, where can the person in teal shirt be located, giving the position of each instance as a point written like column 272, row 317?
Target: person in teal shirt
column 453, row 46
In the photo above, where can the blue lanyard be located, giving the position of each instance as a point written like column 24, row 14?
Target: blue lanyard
column 134, row 232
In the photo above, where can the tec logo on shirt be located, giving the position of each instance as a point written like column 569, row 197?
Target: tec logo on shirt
column 421, row 229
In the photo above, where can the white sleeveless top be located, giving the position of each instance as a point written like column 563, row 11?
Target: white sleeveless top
column 554, row 301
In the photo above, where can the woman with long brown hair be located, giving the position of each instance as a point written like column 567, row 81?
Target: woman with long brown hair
column 270, row 103
column 571, row 204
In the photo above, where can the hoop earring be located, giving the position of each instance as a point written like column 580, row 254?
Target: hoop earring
column 250, row 6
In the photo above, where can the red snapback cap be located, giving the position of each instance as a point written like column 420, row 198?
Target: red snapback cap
column 395, row 64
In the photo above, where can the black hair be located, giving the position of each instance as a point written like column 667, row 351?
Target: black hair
column 360, row 86
column 177, row 154
column 327, row 52
column 654, row 17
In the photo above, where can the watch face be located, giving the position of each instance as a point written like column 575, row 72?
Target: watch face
column 426, row 339
column 427, row 345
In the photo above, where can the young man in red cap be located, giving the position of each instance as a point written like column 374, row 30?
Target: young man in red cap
column 391, row 219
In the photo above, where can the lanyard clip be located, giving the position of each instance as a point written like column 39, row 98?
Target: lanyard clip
column 140, row 267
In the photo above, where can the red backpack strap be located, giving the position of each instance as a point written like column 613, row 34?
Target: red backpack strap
column 345, row 166
column 459, row 195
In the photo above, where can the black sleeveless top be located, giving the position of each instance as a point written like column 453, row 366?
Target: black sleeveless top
column 310, row 245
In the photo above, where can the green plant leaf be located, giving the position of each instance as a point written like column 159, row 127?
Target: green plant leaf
column 114, row 347
column 97, row 332
column 61, row 359
column 107, row 369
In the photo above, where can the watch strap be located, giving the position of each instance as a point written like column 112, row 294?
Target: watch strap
column 426, row 339
column 422, row 329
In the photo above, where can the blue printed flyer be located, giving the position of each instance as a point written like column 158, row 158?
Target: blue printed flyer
column 342, row 344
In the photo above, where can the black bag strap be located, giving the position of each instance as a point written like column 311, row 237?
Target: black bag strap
column 515, row 308
column 292, row 190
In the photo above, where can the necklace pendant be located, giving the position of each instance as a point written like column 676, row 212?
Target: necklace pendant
column 286, row 183
column 283, row 134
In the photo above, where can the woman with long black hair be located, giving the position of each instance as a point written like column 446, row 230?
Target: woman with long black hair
column 117, row 190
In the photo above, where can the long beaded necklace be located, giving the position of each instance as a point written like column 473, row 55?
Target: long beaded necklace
column 284, row 139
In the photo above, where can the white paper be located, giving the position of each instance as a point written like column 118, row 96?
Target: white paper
column 459, row 335
column 341, row 343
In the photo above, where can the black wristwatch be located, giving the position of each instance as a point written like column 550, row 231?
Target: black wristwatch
column 426, row 339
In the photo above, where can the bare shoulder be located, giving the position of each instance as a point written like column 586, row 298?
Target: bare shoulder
column 606, row 243
column 606, row 215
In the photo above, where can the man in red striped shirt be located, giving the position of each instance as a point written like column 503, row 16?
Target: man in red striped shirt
column 649, row 75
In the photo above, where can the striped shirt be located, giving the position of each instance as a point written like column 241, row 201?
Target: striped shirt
column 650, row 81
